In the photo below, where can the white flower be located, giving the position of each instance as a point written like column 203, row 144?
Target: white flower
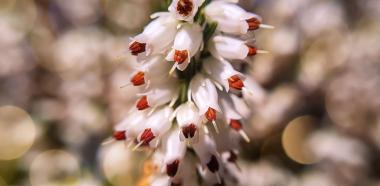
column 188, row 120
column 156, row 37
column 231, row 48
column 185, row 9
column 186, row 44
column 152, row 71
column 129, row 127
column 205, row 96
column 223, row 73
column 207, row 153
column 157, row 95
column 231, row 115
column 231, row 18
column 175, row 152
column 155, row 126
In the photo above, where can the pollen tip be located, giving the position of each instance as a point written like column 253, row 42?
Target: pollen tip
column 189, row 131
column 235, row 82
column 138, row 79
column 119, row 135
column 253, row 23
column 142, row 103
column 137, row 48
column 213, row 164
column 210, row 114
column 180, row 56
column 172, row 168
column 184, row 7
column 147, row 136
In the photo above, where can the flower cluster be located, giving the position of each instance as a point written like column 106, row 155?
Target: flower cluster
column 193, row 101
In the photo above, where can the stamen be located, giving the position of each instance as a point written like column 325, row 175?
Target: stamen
column 189, row 131
column 215, row 126
column 251, row 50
column 235, row 82
column 233, row 157
column 210, row 114
column 180, row 56
column 119, row 135
column 147, row 136
column 142, row 103
column 137, row 48
column 184, row 7
column 138, row 79
column 236, row 125
column 253, row 23
column 171, row 169
column 213, row 164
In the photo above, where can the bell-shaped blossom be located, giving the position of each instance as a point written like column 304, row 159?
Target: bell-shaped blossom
column 188, row 120
column 231, row 48
column 156, row 37
column 185, row 10
column 129, row 127
column 223, row 73
column 231, row 115
column 207, row 153
column 186, row 44
column 154, row 70
column 205, row 96
column 157, row 95
column 232, row 19
column 155, row 126
column 175, row 152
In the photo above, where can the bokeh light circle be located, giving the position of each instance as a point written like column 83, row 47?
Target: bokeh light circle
column 117, row 163
column 17, row 132
column 55, row 168
column 295, row 140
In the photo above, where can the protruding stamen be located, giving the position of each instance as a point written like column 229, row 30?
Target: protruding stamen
column 119, row 135
column 215, row 126
column 213, row 164
column 266, row 26
column 138, row 79
column 236, row 125
column 262, row 52
column 172, row 168
column 210, row 114
column 235, row 82
column 142, row 103
column 180, row 56
column 184, row 7
column 125, row 85
column 251, row 50
column 137, row 48
column 147, row 136
column 253, row 23
column 108, row 141
column 189, row 131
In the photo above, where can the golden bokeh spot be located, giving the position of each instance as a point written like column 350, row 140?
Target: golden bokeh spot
column 295, row 140
column 148, row 170
column 55, row 167
column 17, row 132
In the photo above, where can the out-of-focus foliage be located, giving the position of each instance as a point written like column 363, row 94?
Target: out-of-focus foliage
column 62, row 63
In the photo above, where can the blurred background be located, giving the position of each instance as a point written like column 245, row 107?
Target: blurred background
column 62, row 63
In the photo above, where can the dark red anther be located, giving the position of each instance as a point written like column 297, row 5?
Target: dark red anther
column 119, row 135
column 147, row 136
column 172, row 168
column 142, row 103
column 233, row 157
column 175, row 184
column 235, row 82
column 253, row 23
column 213, row 164
column 251, row 50
column 138, row 79
column 235, row 124
column 137, row 48
column 184, row 7
column 210, row 114
column 189, row 131
column 180, row 56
